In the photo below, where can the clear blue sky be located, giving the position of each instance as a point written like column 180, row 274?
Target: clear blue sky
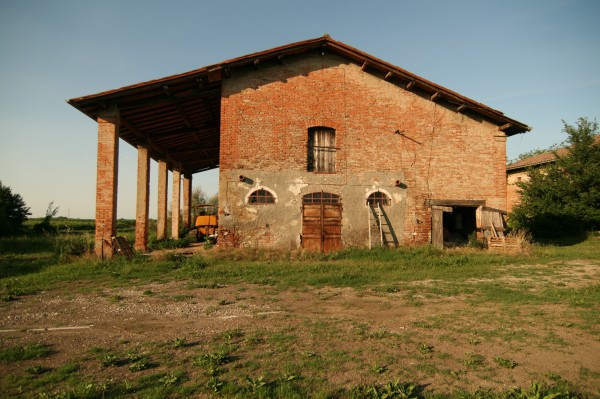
column 537, row 61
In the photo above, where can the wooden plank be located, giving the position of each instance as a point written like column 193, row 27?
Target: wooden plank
column 456, row 202
column 437, row 228
column 122, row 247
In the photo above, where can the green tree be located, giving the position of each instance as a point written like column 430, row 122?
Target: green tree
column 45, row 226
column 13, row 211
column 563, row 198
column 199, row 197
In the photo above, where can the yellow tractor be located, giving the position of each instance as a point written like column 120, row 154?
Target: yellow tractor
column 207, row 222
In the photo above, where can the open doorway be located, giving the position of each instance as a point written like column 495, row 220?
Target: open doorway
column 458, row 225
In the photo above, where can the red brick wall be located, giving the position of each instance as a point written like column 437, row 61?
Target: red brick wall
column 442, row 154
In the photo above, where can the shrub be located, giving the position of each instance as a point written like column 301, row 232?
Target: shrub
column 13, row 211
column 67, row 247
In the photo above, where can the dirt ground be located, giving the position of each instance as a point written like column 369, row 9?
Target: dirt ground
column 357, row 336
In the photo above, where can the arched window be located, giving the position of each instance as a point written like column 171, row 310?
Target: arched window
column 321, row 149
column 379, row 198
column 261, row 197
column 321, row 198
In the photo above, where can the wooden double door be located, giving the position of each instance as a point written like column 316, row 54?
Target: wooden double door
column 321, row 222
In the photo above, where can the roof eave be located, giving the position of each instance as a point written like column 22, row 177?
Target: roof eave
column 325, row 42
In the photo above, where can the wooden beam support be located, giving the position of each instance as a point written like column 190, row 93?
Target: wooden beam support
column 505, row 126
column 461, row 108
column 410, row 85
column 124, row 105
column 388, row 75
column 255, row 63
column 146, row 140
column 364, row 66
column 436, row 96
column 182, row 113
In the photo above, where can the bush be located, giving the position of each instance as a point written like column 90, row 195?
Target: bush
column 13, row 211
column 45, row 227
column 70, row 246
column 169, row 243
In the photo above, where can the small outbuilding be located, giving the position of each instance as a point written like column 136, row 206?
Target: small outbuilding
column 319, row 146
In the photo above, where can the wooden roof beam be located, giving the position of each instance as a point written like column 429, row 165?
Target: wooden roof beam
column 364, row 66
column 505, row 127
column 125, row 105
column 462, row 108
column 255, row 63
column 410, row 85
column 388, row 75
column 436, row 96
column 146, row 141
column 182, row 114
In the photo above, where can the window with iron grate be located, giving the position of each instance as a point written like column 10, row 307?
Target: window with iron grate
column 379, row 198
column 321, row 150
column 321, row 198
column 261, row 197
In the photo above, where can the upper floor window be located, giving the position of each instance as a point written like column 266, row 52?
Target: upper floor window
column 261, row 197
column 379, row 198
column 321, row 149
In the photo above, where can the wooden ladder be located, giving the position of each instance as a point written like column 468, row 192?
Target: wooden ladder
column 379, row 223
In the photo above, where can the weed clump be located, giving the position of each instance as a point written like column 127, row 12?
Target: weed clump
column 27, row 352
column 68, row 247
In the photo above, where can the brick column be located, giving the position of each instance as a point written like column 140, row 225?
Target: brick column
column 187, row 201
column 106, row 181
column 175, row 200
column 143, row 193
column 161, row 219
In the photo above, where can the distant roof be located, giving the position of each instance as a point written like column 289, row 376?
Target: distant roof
column 179, row 115
column 541, row 159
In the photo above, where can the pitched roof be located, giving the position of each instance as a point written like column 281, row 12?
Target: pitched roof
column 541, row 159
column 161, row 106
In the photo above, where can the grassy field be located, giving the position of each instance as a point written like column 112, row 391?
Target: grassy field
column 405, row 323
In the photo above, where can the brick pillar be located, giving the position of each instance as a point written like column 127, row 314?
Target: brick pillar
column 106, row 181
column 175, row 202
column 161, row 219
column 143, row 193
column 187, row 201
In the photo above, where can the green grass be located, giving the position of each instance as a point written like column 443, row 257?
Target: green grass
column 19, row 353
column 27, row 265
column 499, row 294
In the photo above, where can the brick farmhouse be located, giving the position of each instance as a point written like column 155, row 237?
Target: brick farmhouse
column 319, row 145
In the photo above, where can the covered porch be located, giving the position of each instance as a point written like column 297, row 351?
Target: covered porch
column 174, row 121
